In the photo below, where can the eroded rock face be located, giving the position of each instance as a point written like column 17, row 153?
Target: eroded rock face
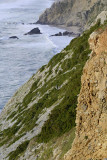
column 91, row 120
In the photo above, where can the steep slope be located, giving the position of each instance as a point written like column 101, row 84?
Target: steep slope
column 91, row 129
column 42, row 112
column 75, row 15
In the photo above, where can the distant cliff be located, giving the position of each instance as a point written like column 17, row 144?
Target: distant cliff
column 75, row 15
column 91, row 130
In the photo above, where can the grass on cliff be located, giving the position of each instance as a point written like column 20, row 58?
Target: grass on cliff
column 62, row 118
column 56, row 147
column 20, row 149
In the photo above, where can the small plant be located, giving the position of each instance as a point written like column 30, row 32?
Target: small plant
column 86, row 137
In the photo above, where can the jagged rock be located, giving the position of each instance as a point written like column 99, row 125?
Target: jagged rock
column 34, row 31
column 66, row 33
column 13, row 37
column 91, row 129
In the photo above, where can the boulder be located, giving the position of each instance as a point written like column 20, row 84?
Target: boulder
column 34, row 31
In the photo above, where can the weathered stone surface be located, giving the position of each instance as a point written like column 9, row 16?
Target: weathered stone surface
column 91, row 130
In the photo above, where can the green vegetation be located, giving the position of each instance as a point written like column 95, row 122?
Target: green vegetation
column 42, row 68
column 12, row 115
column 20, row 149
column 8, row 134
column 31, row 94
column 86, row 137
column 16, row 139
column 47, row 154
column 61, row 145
column 62, row 118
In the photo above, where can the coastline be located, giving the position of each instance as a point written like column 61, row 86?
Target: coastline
column 29, row 48
column 38, row 121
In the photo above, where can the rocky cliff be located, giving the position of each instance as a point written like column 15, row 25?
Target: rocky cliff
column 91, row 120
column 38, row 122
column 75, row 15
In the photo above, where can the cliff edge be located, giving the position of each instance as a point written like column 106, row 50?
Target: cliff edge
column 91, row 120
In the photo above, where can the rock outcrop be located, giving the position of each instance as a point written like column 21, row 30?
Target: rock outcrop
column 66, row 33
column 34, row 31
column 75, row 15
column 102, row 16
column 91, row 120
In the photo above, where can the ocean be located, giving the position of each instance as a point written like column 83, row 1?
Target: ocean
column 21, row 58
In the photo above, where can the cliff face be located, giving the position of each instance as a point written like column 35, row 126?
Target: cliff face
column 76, row 15
column 91, row 119
column 38, row 122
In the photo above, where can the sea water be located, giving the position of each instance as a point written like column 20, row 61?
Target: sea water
column 21, row 58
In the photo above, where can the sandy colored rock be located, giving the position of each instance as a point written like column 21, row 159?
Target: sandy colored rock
column 91, row 119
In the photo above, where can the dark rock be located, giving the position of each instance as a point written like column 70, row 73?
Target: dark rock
column 66, row 33
column 58, row 34
column 14, row 37
column 34, row 31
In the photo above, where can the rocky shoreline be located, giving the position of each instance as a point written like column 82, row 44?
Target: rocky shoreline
column 66, row 33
